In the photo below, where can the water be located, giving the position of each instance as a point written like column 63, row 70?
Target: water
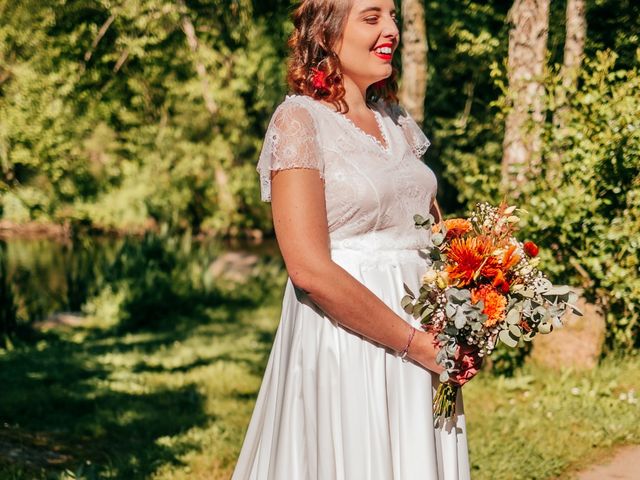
column 42, row 277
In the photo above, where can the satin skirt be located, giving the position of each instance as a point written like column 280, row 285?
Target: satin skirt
column 335, row 406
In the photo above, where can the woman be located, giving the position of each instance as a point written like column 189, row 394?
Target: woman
column 348, row 388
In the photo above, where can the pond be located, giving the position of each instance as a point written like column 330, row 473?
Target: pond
column 40, row 278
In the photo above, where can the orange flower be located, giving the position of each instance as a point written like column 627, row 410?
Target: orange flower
column 469, row 258
column 494, row 303
column 510, row 258
column 497, row 269
column 456, row 227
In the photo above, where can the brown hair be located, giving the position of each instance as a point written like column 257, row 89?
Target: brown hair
column 318, row 26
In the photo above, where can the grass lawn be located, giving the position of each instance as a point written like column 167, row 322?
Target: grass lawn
column 174, row 403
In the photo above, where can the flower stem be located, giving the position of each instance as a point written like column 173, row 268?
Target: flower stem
column 444, row 403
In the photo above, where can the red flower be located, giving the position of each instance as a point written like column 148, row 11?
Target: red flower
column 504, row 287
column 531, row 249
column 319, row 79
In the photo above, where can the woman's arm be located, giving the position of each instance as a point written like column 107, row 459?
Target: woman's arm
column 300, row 221
column 435, row 211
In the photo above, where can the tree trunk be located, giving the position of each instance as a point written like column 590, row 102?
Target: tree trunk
column 527, row 53
column 576, row 35
column 414, row 59
column 226, row 200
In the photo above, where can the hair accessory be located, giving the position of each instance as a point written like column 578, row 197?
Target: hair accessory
column 404, row 352
column 319, row 79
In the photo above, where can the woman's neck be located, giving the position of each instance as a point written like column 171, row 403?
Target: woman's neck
column 355, row 96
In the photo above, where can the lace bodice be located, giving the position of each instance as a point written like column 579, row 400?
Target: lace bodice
column 372, row 191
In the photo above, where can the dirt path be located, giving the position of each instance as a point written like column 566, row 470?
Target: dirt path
column 624, row 465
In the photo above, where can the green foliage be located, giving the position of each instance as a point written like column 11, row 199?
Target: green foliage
column 586, row 207
column 583, row 208
column 8, row 323
column 105, row 116
column 466, row 41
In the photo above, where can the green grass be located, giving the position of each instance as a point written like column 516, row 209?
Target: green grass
column 544, row 424
column 168, row 404
column 174, row 403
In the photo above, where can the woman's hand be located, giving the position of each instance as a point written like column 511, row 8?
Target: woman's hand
column 423, row 350
column 469, row 363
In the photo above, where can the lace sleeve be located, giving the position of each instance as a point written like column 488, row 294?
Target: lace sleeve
column 413, row 133
column 290, row 142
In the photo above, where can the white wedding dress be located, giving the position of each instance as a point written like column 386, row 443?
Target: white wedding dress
column 333, row 405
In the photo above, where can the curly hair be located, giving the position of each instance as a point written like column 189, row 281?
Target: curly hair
column 318, row 26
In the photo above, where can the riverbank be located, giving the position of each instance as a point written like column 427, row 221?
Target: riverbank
column 64, row 231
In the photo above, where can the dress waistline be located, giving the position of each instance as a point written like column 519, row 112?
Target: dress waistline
column 378, row 255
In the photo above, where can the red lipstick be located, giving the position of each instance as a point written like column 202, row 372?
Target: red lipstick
column 384, row 51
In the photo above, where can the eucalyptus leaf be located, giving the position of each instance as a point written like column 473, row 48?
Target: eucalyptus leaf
column 408, row 290
column 515, row 331
column 576, row 311
column 460, row 320
column 558, row 290
column 513, row 317
column 407, row 304
column 545, row 328
column 450, row 310
column 507, row 339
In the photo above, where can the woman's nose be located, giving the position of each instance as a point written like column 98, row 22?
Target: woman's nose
column 390, row 30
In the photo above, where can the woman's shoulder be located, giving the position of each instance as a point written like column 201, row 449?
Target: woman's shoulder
column 295, row 107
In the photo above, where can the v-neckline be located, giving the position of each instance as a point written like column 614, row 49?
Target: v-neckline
column 385, row 148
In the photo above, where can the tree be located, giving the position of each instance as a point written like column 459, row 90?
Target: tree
column 529, row 21
column 576, row 35
column 413, row 88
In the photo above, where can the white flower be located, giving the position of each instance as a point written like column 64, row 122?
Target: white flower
column 429, row 276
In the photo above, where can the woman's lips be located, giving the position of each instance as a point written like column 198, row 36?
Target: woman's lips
column 384, row 56
column 384, row 51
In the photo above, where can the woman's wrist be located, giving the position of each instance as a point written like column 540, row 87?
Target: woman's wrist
column 405, row 352
column 423, row 349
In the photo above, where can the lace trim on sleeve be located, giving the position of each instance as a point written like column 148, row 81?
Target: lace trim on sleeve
column 290, row 142
column 413, row 133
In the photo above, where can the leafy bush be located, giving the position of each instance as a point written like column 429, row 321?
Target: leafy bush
column 584, row 210
column 160, row 275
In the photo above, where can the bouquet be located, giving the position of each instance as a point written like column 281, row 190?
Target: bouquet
column 482, row 287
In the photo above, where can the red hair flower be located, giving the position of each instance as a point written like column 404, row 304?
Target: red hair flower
column 319, row 79
column 531, row 249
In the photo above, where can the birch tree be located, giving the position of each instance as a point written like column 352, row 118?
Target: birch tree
column 576, row 35
column 413, row 88
column 528, row 34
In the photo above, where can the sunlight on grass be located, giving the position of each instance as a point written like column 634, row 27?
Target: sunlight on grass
column 543, row 422
column 175, row 404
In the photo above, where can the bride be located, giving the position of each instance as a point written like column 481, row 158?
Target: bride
column 348, row 388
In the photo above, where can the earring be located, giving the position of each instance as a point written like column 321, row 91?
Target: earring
column 319, row 79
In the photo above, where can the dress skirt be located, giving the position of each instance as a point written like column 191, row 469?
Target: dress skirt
column 334, row 406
